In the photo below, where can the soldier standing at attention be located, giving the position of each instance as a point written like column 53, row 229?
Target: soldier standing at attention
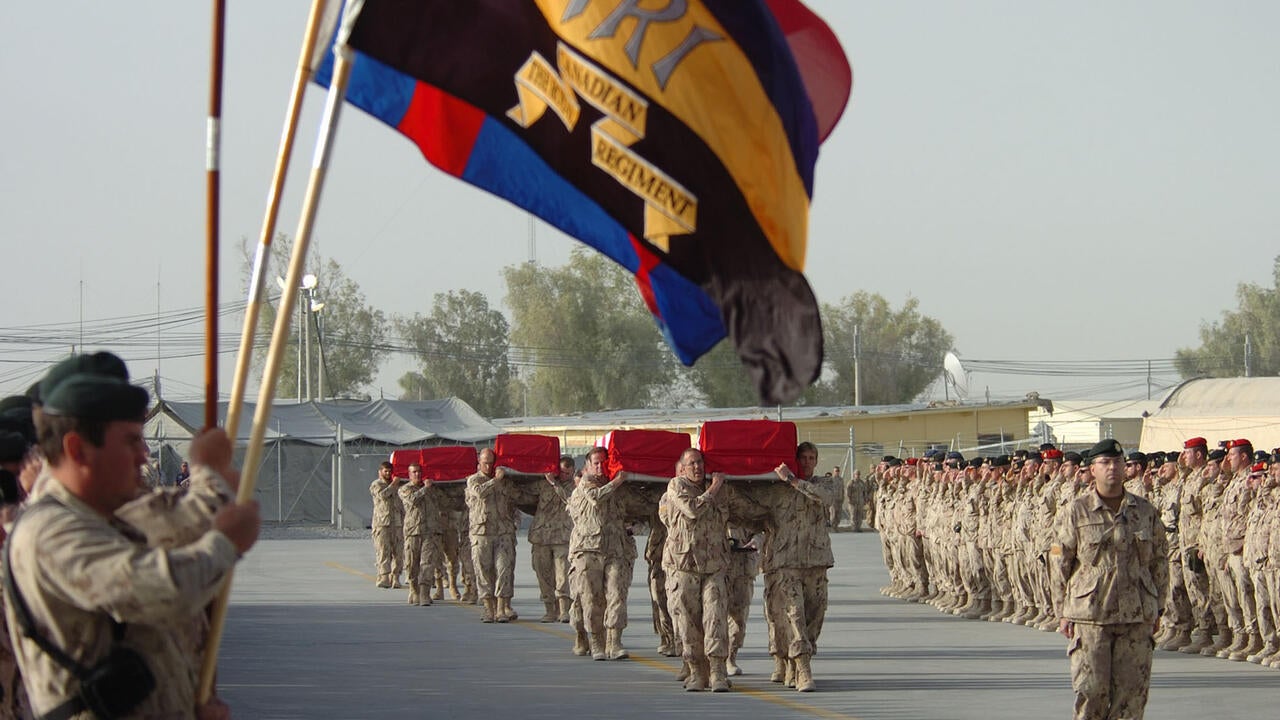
column 387, row 526
column 493, row 538
column 795, row 558
column 549, row 537
column 1112, row 576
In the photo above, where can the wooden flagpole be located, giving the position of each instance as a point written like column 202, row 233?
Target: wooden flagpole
column 213, row 147
column 279, row 338
column 262, row 257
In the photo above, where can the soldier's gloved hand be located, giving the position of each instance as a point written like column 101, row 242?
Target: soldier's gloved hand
column 212, row 448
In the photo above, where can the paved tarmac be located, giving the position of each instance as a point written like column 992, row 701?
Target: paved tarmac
column 309, row 636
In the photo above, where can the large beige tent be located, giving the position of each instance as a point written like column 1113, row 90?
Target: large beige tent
column 1217, row 409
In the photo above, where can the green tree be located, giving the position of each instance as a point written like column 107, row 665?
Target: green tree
column 585, row 333
column 1222, row 344
column 345, row 334
column 900, row 351
column 722, row 379
column 462, row 347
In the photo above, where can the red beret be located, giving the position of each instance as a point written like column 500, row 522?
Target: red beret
column 1052, row 454
column 913, row 461
column 1239, row 443
column 1258, row 467
column 1195, row 442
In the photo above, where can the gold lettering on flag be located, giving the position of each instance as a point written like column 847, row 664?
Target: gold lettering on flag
column 670, row 209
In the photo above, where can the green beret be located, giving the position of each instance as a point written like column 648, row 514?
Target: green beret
column 99, row 363
column 15, row 403
column 1105, row 448
column 97, row 397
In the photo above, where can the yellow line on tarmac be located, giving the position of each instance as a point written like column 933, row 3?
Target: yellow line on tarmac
column 551, row 629
column 350, row 571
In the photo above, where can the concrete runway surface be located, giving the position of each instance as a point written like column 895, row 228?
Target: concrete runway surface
column 309, row 636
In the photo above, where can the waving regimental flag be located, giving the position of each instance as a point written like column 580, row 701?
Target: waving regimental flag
column 678, row 138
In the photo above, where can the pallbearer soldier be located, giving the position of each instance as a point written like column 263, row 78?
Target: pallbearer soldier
column 795, row 558
column 598, row 556
column 740, row 585
column 421, row 535
column 549, row 538
column 1112, row 575
column 493, row 537
column 388, row 526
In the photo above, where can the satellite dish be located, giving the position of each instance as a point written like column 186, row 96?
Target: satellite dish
column 954, row 372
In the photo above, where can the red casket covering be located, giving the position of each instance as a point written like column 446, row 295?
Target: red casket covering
column 531, row 454
column 446, row 463
column 402, row 459
column 748, row 448
column 653, row 453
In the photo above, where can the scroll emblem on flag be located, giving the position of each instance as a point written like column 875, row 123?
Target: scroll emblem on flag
column 670, row 209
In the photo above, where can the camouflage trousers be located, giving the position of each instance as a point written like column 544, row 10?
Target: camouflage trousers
column 423, row 558
column 795, row 605
column 388, row 550
column 1198, row 598
column 1263, row 609
column 599, row 586
column 551, row 566
column 972, row 574
column 1177, row 603
column 854, row 509
column 699, row 611
column 740, row 585
column 494, row 557
column 662, row 624
column 1111, row 670
column 1244, row 597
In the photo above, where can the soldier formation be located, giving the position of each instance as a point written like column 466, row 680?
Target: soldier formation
column 708, row 539
column 1003, row 539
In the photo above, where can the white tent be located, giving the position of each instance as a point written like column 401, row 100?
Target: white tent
column 1217, row 409
column 321, row 456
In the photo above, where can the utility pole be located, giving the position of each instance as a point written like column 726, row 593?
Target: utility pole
column 1248, row 355
column 857, row 370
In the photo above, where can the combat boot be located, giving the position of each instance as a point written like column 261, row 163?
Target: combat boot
column 1253, row 643
column 993, row 615
column 597, row 648
column 565, row 604
column 790, row 679
column 438, row 592
column 384, row 581
column 972, row 611
column 552, row 614
column 413, row 594
column 804, row 674
column 581, row 644
column 1176, row 640
column 486, row 615
column 1267, row 651
column 697, row 679
column 424, row 595
column 1223, row 641
column 684, row 671
column 719, row 677
column 779, row 669
column 395, row 581
column 506, row 613
column 613, row 645
column 1199, row 641
column 1239, row 641
column 731, row 665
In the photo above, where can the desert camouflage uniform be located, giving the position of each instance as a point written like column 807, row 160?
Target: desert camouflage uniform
column 493, row 535
column 856, row 501
column 662, row 626
column 422, row 547
column 794, row 559
column 696, row 558
column 1112, row 575
column 1194, row 575
column 98, row 571
column 549, row 536
column 1235, row 508
column 598, row 549
column 740, row 585
column 388, row 529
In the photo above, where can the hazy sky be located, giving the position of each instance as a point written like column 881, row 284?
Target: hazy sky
column 1053, row 181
